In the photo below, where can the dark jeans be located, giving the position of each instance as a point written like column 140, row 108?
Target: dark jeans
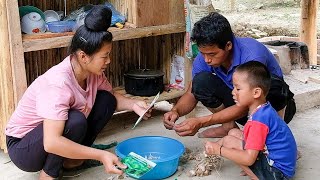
column 211, row 91
column 28, row 153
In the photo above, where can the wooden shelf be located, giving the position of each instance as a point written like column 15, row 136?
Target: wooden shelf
column 58, row 40
column 173, row 93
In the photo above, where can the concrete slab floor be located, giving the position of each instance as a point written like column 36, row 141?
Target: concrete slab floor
column 305, row 127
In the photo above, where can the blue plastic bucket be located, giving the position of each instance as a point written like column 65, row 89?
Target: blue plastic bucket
column 165, row 152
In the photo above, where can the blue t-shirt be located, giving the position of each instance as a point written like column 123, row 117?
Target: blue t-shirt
column 266, row 130
column 244, row 50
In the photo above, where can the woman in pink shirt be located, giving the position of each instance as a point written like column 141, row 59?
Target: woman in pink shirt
column 63, row 110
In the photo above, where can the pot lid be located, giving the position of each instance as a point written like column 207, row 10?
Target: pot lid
column 145, row 73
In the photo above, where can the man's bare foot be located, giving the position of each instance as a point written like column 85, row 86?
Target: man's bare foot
column 214, row 132
column 72, row 163
column 44, row 176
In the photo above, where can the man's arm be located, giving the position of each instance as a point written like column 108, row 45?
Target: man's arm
column 190, row 127
column 186, row 103
column 228, row 114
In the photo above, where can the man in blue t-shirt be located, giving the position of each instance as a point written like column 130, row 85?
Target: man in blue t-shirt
column 220, row 53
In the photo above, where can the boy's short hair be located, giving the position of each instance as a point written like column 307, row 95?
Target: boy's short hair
column 258, row 75
column 213, row 29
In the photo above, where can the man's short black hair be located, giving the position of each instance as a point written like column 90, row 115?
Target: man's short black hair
column 258, row 75
column 213, row 29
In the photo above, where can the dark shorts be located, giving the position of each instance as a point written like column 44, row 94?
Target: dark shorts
column 264, row 171
column 211, row 91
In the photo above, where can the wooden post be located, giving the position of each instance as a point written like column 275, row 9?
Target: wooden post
column 17, row 54
column 232, row 5
column 7, row 103
column 308, row 29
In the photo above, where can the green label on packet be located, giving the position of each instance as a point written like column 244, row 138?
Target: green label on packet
column 137, row 165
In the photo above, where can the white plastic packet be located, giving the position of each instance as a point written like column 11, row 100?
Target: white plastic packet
column 177, row 80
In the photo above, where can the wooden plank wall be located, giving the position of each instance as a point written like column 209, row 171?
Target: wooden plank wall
column 155, row 12
column 152, row 52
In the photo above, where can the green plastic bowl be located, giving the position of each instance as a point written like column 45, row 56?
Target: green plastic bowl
column 23, row 10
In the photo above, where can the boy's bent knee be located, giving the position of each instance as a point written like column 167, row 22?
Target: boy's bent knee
column 235, row 132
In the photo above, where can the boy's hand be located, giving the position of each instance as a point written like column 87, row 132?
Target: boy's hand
column 212, row 148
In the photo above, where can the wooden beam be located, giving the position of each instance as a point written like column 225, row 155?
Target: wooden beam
column 232, row 5
column 6, row 83
column 174, row 93
column 57, row 40
column 308, row 28
column 16, row 51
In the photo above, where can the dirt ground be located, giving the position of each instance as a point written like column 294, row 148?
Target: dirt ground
column 272, row 17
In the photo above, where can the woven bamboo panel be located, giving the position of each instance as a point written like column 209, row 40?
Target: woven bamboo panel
column 58, row 5
column 151, row 52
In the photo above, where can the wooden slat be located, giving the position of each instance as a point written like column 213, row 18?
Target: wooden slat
column 17, row 58
column 176, row 12
column 6, row 84
column 52, row 40
column 173, row 93
column 155, row 12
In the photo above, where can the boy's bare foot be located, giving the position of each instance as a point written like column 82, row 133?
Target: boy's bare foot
column 72, row 163
column 44, row 176
column 299, row 155
column 243, row 173
column 214, row 132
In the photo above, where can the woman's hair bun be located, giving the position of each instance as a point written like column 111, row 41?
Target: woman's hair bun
column 99, row 18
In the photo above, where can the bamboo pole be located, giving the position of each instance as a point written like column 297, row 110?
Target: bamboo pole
column 308, row 28
column 7, row 102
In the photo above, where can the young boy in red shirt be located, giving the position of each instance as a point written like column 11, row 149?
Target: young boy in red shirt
column 266, row 148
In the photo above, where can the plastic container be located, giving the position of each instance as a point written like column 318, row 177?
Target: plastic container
column 61, row 26
column 23, row 10
column 32, row 23
column 51, row 16
column 164, row 151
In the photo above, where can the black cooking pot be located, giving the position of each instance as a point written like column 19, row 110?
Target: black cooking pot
column 143, row 82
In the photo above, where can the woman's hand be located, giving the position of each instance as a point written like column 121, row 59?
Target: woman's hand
column 139, row 107
column 111, row 163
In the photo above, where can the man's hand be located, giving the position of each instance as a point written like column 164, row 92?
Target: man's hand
column 188, row 127
column 170, row 118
